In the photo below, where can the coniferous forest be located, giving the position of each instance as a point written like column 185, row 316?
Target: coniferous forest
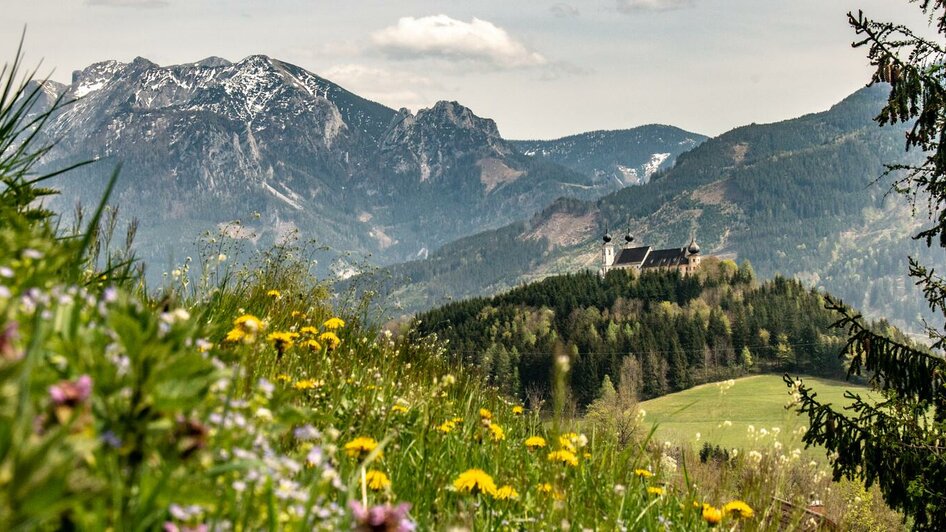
column 673, row 332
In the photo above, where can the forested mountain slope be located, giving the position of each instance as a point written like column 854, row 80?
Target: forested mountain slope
column 796, row 197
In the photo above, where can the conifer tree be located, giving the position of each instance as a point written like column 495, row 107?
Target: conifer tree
column 900, row 442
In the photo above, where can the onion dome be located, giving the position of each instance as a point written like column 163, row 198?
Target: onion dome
column 693, row 248
column 629, row 238
column 607, row 238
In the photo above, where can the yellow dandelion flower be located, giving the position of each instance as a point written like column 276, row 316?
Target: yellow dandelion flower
column 535, row 442
column 446, row 427
column 497, row 432
column 312, row 345
column 564, row 456
column 712, row 515
column 517, row 410
column 545, row 487
column 360, row 447
column 282, row 377
column 308, row 329
column 248, row 322
column 334, row 323
column 235, row 335
column 738, row 508
column 307, row 384
column 655, row 490
column 475, row 481
column 505, row 493
column 376, row 480
column 643, row 473
column 244, row 329
column 330, row 340
column 485, row 414
column 297, row 314
column 275, row 294
column 282, row 340
column 565, row 441
column 401, row 409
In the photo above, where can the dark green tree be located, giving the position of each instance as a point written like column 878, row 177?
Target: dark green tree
column 899, row 442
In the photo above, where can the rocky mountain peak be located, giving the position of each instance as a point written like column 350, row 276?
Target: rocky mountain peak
column 213, row 62
column 143, row 62
column 452, row 114
column 97, row 71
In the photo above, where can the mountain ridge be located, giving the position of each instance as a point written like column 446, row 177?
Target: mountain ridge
column 604, row 153
column 213, row 141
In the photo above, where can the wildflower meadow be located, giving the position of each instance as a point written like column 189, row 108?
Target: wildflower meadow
column 249, row 395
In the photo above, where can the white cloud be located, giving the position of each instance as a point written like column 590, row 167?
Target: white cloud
column 394, row 88
column 632, row 6
column 440, row 36
column 562, row 9
column 128, row 3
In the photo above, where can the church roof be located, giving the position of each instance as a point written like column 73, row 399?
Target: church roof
column 665, row 257
column 631, row 256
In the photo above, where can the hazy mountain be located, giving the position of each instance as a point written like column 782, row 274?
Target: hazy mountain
column 626, row 157
column 209, row 142
column 795, row 197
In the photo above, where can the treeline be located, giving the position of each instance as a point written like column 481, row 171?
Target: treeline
column 675, row 331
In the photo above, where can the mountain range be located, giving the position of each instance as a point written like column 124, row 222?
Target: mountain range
column 284, row 150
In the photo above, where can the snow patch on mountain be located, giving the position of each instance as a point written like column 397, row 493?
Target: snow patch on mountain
column 654, row 163
column 86, row 88
column 629, row 175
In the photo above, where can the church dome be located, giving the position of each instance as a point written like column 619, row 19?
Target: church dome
column 693, row 248
column 607, row 238
column 629, row 238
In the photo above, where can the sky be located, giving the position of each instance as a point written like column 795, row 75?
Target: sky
column 540, row 68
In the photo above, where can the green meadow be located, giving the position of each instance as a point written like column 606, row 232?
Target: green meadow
column 754, row 408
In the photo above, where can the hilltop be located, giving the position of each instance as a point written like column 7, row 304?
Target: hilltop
column 653, row 333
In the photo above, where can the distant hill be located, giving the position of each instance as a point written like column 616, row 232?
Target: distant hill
column 677, row 331
column 795, row 197
column 628, row 157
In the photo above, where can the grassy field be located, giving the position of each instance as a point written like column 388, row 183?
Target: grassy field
column 700, row 414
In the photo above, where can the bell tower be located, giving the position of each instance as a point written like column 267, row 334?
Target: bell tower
column 693, row 255
column 607, row 253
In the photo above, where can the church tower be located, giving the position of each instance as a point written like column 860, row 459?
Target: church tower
column 607, row 253
column 693, row 255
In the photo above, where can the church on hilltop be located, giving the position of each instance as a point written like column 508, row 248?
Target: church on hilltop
column 685, row 260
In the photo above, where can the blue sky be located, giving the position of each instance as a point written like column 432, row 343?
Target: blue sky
column 541, row 69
